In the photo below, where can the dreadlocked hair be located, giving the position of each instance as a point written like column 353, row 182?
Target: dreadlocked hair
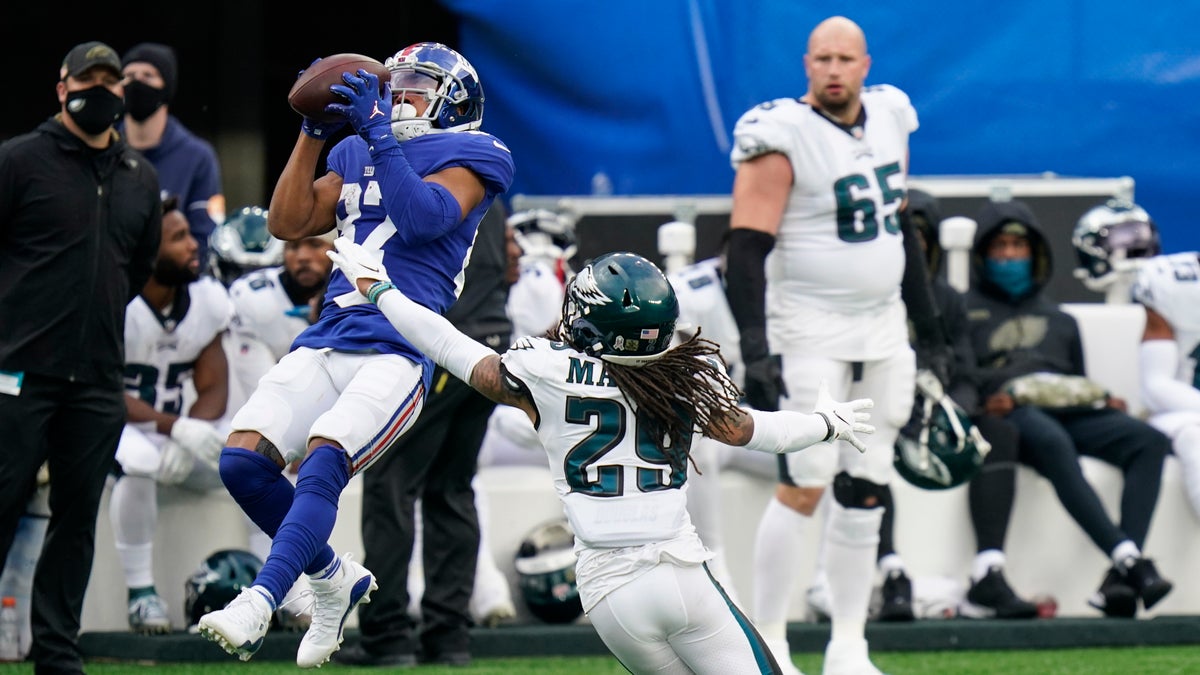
column 677, row 394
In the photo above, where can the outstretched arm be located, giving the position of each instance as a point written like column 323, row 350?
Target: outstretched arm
column 428, row 331
column 787, row 431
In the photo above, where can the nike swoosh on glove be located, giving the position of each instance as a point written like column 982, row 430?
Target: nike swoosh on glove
column 357, row 262
column 847, row 418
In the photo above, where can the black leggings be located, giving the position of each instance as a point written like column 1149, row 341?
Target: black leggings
column 1051, row 443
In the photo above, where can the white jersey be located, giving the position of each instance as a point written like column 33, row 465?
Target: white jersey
column 700, row 290
column 264, row 312
column 1170, row 285
column 535, row 301
column 626, row 504
column 161, row 351
column 265, row 323
column 839, row 246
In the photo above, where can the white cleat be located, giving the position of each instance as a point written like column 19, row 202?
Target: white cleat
column 294, row 614
column 241, row 627
column 148, row 615
column 848, row 657
column 334, row 599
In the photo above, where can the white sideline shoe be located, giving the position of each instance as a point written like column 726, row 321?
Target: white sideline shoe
column 491, row 602
column 848, row 657
column 148, row 615
column 242, row 625
column 334, row 599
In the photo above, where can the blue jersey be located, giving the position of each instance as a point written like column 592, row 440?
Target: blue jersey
column 427, row 270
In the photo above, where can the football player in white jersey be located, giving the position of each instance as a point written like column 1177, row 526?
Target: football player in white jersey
column 816, row 258
column 1116, row 239
column 700, row 289
column 172, row 335
column 616, row 407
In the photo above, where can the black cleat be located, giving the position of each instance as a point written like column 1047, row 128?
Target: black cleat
column 1116, row 598
column 1142, row 575
column 992, row 597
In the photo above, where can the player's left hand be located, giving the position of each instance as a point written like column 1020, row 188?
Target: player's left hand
column 847, row 418
column 356, row 262
column 369, row 113
column 174, row 463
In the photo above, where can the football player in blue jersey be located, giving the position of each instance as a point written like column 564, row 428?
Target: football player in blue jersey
column 410, row 186
column 616, row 406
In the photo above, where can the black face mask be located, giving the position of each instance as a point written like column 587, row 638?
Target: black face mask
column 142, row 100
column 95, row 109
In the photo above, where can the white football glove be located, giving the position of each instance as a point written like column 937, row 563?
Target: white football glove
column 200, row 438
column 845, row 417
column 174, row 463
column 357, row 262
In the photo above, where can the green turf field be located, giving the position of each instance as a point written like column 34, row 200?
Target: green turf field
column 1183, row 660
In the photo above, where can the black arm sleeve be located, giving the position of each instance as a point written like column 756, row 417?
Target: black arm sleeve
column 915, row 289
column 746, row 288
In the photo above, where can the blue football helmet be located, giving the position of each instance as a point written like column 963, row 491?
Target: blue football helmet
column 939, row 448
column 443, row 78
column 243, row 244
column 1108, row 234
column 621, row 308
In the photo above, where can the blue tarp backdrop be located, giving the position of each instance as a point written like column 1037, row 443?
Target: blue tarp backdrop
column 646, row 92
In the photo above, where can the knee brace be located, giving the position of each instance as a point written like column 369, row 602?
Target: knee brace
column 857, row 493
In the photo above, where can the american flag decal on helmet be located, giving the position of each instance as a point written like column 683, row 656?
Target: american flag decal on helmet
column 649, row 334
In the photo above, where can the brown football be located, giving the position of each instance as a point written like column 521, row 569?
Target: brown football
column 310, row 94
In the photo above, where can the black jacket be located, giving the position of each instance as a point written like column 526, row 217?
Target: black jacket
column 1017, row 336
column 79, row 231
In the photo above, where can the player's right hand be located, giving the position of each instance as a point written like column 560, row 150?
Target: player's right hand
column 764, row 383
column 846, row 418
column 200, row 438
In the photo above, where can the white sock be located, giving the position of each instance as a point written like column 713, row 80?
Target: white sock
column 133, row 512
column 1123, row 550
column 890, row 563
column 776, row 559
column 985, row 560
column 853, row 537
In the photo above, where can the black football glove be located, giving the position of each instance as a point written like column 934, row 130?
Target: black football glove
column 764, row 383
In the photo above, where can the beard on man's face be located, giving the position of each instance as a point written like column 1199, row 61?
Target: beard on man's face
column 168, row 273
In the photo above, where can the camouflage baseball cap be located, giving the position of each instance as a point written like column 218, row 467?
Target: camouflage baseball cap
column 89, row 55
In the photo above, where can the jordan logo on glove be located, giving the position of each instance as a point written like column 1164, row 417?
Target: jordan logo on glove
column 375, row 111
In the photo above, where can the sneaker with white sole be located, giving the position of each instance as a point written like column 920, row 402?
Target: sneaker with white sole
column 334, row 598
column 148, row 615
column 241, row 627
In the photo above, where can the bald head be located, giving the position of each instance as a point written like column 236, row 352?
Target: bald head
column 836, row 64
column 838, row 28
